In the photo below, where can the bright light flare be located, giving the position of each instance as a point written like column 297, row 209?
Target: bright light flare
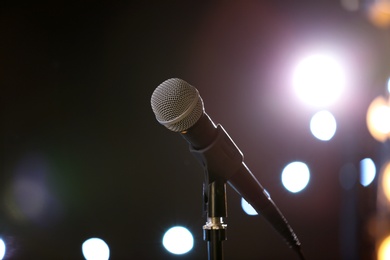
column 323, row 125
column 384, row 249
column 378, row 119
column 319, row 80
column 95, row 249
column 178, row 240
column 295, row 176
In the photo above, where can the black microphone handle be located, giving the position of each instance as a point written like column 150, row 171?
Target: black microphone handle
column 223, row 160
column 245, row 183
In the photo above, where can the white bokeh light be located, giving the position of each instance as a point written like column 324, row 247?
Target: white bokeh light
column 367, row 171
column 248, row 209
column 295, row 176
column 388, row 85
column 95, row 249
column 178, row 240
column 2, row 249
column 323, row 125
column 319, row 80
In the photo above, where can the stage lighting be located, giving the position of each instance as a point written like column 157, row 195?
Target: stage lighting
column 178, row 240
column 295, row 176
column 323, row 125
column 367, row 171
column 319, row 80
column 248, row 209
column 95, row 249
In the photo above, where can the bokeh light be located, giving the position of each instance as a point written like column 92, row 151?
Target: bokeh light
column 384, row 249
column 386, row 180
column 388, row 85
column 379, row 13
column 2, row 249
column 295, row 176
column 350, row 5
column 178, row 240
column 28, row 195
column 248, row 209
column 378, row 119
column 323, row 125
column 319, row 80
column 95, row 249
column 367, row 171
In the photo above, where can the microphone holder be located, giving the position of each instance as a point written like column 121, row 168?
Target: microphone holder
column 221, row 159
column 215, row 206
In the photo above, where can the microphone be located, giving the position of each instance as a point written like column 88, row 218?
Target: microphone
column 178, row 106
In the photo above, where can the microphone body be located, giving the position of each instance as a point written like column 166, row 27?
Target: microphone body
column 179, row 107
column 217, row 153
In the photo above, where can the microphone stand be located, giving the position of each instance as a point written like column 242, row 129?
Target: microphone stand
column 215, row 205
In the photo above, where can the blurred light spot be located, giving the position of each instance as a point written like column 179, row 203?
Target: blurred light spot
column 348, row 176
column 386, row 180
column 178, row 240
column 27, row 196
column 323, row 125
column 248, row 209
column 95, row 249
column 30, row 196
column 295, row 176
column 367, row 171
column 350, row 5
column 388, row 85
column 384, row 249
column 2, row 249
column 319, row 80
column 378, row 119
column 379, row 13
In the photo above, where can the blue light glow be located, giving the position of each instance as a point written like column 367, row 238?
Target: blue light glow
column 367, row 171
column 248, row 209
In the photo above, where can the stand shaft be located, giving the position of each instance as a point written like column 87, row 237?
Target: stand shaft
column 214, row 238
column 214, row 232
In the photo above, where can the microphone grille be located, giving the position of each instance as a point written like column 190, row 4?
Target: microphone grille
column 176, row 104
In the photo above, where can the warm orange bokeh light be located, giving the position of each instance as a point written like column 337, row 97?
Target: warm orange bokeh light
column 379, row 13
column 378, row 119
column 386, row 180
column 384, row 249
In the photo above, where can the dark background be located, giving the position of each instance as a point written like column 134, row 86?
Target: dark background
column 82, row 155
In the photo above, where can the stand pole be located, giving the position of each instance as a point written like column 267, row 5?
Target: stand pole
column 214, row 231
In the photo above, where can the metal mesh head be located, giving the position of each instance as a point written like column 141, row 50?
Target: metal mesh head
column 176, row 104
